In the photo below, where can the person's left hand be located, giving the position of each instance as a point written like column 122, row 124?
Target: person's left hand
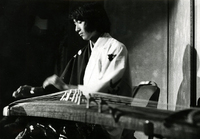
column 23, row 92
column 74, row 95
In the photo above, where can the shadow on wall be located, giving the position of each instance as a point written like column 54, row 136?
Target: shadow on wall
column 186, row 96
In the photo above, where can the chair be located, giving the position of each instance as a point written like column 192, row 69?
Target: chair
column 149, row 91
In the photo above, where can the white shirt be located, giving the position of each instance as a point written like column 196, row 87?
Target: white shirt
column 108, row 64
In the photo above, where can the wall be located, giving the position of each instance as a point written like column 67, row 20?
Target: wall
column 142, row 25
column 180, row 49
column 197, row 45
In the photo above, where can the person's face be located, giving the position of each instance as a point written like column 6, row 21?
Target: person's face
column 80, row 28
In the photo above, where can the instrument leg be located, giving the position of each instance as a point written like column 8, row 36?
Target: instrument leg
column 148, row 129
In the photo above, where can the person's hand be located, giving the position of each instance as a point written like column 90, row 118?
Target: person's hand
column 73, row 95
column 23, row 91
column 56, row 82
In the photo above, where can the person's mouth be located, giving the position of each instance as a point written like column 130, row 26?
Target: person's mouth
column 80, row 34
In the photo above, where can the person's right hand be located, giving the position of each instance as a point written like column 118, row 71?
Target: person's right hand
column 23, row 91
column 56, row 82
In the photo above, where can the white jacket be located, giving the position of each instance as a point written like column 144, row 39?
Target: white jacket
column 108, row 68
column 108, row 71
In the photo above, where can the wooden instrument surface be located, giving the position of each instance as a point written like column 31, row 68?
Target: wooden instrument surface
column 165, row 122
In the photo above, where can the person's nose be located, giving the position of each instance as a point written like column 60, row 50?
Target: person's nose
column 77, row 28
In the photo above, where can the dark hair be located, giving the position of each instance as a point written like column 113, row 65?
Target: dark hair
column 94, row 15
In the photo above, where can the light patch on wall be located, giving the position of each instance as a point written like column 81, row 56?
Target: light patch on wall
column 158, row 36
column 155, row 73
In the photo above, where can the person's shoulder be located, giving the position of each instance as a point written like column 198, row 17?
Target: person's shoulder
column 116, row 45
column 114, row 42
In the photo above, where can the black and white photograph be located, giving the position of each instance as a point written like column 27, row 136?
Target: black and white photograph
column 99, row 69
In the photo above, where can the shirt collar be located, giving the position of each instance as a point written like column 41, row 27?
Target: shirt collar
column 100, row 41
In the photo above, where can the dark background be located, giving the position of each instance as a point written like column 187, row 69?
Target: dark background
column 28, row 54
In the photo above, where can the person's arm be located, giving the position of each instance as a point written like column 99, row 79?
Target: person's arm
column 58, row 83
column 50, row 85
column 73, row 94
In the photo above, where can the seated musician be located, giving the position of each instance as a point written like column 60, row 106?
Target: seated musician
column 101, row 66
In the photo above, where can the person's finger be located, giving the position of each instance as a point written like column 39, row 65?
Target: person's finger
column 15, row 94
column 25, row 89
column 44, row 84
column 19, row 89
